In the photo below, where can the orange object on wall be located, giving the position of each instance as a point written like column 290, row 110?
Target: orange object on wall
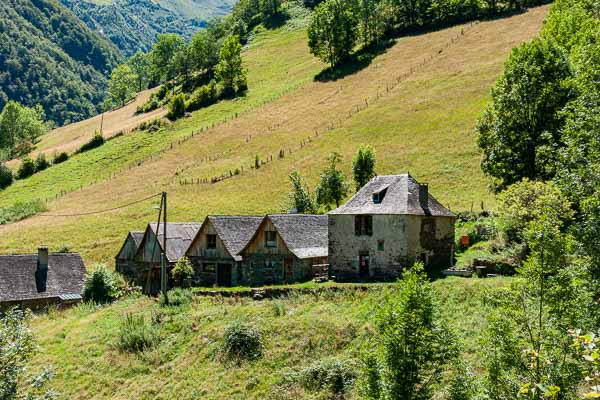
column 464, row 240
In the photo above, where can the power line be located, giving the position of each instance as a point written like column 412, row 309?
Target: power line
column 102, row 211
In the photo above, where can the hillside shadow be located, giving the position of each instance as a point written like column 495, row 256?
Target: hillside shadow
column 276, row 21
column 355, row 63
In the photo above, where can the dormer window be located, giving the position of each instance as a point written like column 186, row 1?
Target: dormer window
column 379, row 194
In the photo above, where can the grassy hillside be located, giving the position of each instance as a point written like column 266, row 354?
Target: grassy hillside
column 49, row 57
column 133, row 25
column 188, row 363
column 424, row 95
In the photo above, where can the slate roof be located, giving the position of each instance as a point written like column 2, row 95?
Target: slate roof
column 137, row 237
column 66, row 275
column 179, row 237
column 305, row 235
column 401, row 198
column 235, row 231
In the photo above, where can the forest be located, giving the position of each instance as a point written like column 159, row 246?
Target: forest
column 49, row 57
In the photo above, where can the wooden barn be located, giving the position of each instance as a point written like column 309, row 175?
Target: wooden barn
column 214, row 250
column 39, row 280
column 147, row 259
column 284, row 249
column 125, row 259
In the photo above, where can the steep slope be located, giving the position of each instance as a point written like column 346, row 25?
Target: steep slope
column 48, row 56
column 133, row 25
column 417, row 104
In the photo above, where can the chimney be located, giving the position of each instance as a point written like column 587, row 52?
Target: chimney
column 424, row 195
column 41, row 271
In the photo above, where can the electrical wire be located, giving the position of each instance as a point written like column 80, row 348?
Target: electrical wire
column 101, row 211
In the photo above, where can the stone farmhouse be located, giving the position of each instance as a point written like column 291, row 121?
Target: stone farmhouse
column 284, row 249
column 39, row 280
column 214, row 252
column 389, row 224
column 147, row 258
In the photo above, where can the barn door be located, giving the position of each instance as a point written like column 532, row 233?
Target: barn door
column 288, row 273
column 224, row 275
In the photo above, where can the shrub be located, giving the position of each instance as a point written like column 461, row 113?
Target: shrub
column 204, row 96
column 163, row 91
column 177, row 297
column 102, row 286
column 136, row 334
column 96, row 141
column 183, row 270
column 21, row 210
column 242, row 341
column 41, row 163
column 26, row 169
column 334, row 375
column 60, row 158
column 6, row 176
column 176, row 107
column 64, row 249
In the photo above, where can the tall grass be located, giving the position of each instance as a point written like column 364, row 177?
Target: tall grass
column 136, row 334
column 21, row 210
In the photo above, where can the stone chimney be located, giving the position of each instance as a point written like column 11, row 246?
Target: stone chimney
column 424, row 195
column 41, row 271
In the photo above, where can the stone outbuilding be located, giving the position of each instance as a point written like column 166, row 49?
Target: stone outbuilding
column 214, row 250
column 284, row 249
column 39, row 280
column 125, row 259
column 147, row 259
column 391, row 223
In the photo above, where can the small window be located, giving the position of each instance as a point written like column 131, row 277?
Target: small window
column 211, row 241
column 381, row 245
column 270, row 239
column 363, row 225
column 209, row 268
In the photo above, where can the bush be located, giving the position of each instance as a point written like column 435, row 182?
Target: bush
column 152, row 104
column 102, row 286
column 177, row 297
column 60, row 158
column 136, row 334
column 242, row 341
column 176, row 107
column 183, row 271
column 26, row 169
column 336, row 376
column 6, row 176
column 204, row 96
column 96, row 141
column 21, row 210
column 41, row 163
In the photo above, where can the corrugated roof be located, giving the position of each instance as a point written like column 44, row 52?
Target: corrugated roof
column 66, row 275
column 401, row 198
column 235, row 231
column 305, row 235
column 179, row 237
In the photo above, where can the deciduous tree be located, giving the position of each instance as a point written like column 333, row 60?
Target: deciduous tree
column 20, row 126
column 332, row 32
column 363, row 166
column 230, row 70
column 333, row 186
column 300, row 198
column 122, row 85
column 520, row 132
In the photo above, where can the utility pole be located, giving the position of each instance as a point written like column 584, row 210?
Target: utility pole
column 164, row 260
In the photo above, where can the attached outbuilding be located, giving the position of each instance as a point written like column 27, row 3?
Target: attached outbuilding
column 284, row 249
column 37, row 281
column 125, row 259
column 148, row 257
column 391, row 223
column 214, row 250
